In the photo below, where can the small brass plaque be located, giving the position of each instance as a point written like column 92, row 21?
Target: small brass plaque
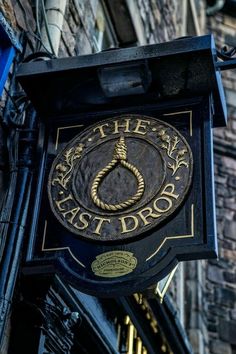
column 114, row 264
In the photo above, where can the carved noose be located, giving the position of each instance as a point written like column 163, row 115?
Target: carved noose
column 119, row 156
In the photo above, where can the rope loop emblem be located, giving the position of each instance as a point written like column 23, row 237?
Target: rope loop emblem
column 119, row 157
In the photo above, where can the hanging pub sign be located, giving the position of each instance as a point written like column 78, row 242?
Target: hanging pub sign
column 124, row 185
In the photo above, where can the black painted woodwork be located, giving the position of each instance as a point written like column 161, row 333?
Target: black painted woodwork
column 49, row 317
column 122, row 22
column 167, row 319
column 173, row 79
column 178, row 69
column 43, row 321
column 14, row 218
column 201, row 194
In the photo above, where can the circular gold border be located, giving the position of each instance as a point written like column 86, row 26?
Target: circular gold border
column 147, row 228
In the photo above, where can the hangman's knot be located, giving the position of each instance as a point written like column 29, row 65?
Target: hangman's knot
column 120, row 151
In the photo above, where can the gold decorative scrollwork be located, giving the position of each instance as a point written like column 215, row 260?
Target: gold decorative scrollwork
column 170, row 144
column 119, row 156
column 65, row 169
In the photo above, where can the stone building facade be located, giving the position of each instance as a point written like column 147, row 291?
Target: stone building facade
column 204, row 292
column 220, row 290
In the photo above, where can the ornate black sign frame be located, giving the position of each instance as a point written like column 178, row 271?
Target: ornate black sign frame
column 125, row 266
column 181, row 104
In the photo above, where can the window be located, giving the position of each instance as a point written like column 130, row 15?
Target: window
column 104, row 34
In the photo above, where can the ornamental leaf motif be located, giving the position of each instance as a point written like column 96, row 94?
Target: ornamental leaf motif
column 176, row 154
column 64, row 169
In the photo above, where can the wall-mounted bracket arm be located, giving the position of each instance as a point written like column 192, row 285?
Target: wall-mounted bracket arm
column 228, row 59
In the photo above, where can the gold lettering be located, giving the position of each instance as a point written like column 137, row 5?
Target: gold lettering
column 149, row 214
column 141, row 124
column 168, row 200
column 83, row 221
column 124, row 225
column 170, row 194
column 119, row 125
column 73, row 213
column 59, row 202
column 101, row 130
column 99, row 225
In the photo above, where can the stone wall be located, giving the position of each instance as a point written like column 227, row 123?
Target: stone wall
column 161, row 19
column 220, row 289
